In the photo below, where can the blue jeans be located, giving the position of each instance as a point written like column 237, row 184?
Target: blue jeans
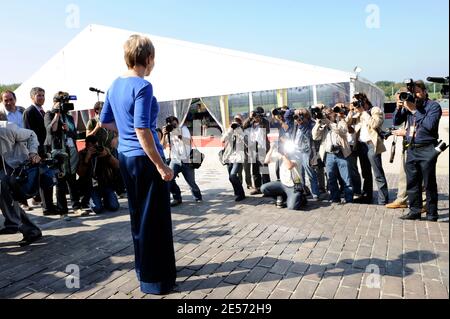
column 233, row 171
column 294, row 200
column 336, row 164
column 189, row 176
column 103, row 198
column 312, row 176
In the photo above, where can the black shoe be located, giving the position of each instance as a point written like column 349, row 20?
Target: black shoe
column 175, row 202
column 8, row 231
column 76, row 206
column 29, row 240
column 50, row 213
column 240, row 198
column 432, row 218
column 411, row 216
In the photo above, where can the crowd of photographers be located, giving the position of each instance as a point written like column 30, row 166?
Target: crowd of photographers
column 319, row 147
column 46, row 142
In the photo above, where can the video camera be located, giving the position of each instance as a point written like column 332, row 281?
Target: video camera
column 64, row 106
column 445, row 85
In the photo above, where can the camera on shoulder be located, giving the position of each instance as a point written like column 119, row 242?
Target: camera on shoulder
column 62, row 102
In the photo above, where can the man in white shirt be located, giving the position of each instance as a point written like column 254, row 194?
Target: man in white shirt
column 13, row 113
column 289, row 187
column 178, row 139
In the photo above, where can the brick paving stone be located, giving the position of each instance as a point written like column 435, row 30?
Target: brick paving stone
column 346, row 293
column 305, row 289
column 327, row 288
column 241, row 292
column 414, row 285
column 221, row 291
column 243, row 244
column 368, row 293
column 280, row 294
column 435, row 289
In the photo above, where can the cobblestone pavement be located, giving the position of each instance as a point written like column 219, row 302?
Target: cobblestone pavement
column 245, row 250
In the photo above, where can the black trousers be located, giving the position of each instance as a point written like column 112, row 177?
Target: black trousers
column 67, row 184
column 421, row 168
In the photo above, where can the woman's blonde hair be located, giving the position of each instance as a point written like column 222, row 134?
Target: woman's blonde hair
column 137, row 50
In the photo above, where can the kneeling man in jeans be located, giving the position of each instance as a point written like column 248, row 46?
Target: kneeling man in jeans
column 290, row 186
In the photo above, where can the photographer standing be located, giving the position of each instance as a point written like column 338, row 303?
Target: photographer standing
column 422, row 117
column 367, row 121
column 178, row 139
column 332, row 131
column 16, row 146
column 304, row 143
column 33, row 119
column 257, row 128
column 97, row 169
column 61, row 139
column 234, row 155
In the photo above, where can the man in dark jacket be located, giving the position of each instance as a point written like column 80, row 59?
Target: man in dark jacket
column 33, row 119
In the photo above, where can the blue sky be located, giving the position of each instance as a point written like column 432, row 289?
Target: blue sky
column 412, row 39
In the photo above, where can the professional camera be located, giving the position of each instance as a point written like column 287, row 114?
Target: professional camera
column 169, row 128
column 340, row 110
column 408, row 96
column 235, row 125
column 64, row 106
column 388, row 133
column 279, row 112
column 316, row 113
column 445, row 85
column 441, row 147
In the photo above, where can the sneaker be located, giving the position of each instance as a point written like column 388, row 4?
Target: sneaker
column 281, row 204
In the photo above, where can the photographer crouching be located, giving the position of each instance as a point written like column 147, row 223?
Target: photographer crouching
column 422, row 116
column 61, row 140
column 17, row 145
column 332, row 130
column 97, row 169
column 290, row 187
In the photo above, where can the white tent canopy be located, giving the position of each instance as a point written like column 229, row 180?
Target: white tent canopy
column 183, row 70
